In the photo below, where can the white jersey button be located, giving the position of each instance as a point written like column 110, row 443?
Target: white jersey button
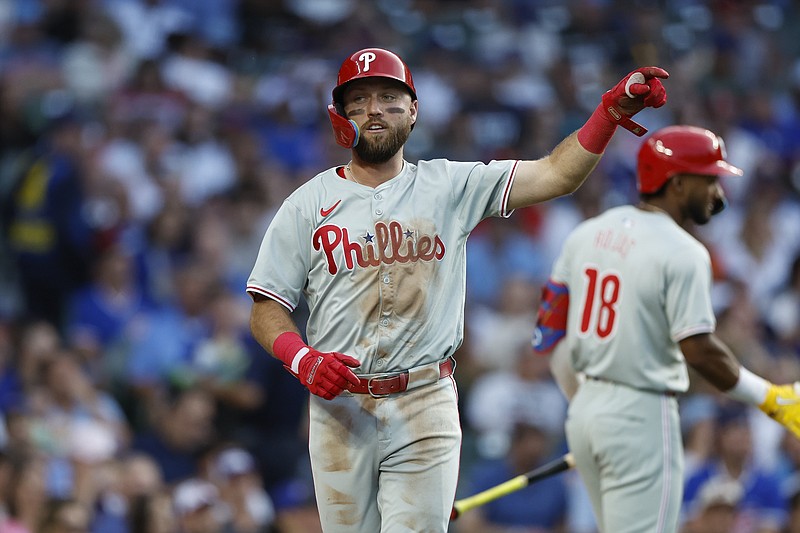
column 379, row 362
column 386, row 279
column 379, row 212
column 385, row 322
column 379, row 196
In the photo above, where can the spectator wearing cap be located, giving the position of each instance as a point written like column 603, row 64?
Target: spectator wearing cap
column 50, row 238
column 716, row 507
column 235, row 473
column 199, row 507
column 762, row 508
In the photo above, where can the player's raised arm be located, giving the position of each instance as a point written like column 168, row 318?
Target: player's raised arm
column 565, row 169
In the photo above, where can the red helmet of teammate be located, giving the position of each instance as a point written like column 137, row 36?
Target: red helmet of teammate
column 366, row 63
column 680, row 150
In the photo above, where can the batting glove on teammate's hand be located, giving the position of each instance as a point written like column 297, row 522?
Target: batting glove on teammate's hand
column 325, row 374
column 783, row 405
column 639, row 89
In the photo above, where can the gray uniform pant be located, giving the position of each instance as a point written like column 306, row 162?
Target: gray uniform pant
column 387, row 465
column 628, row 450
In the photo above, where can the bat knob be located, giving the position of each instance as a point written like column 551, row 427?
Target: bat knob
column 453, row 514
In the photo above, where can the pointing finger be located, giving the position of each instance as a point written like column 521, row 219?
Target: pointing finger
column 654, row 72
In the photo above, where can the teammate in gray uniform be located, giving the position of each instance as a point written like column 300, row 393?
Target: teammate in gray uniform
column 631, row 292
column 377, row 248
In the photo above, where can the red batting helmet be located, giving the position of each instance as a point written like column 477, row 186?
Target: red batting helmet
column 680, row 150
column 365, row 63
column 373, row 62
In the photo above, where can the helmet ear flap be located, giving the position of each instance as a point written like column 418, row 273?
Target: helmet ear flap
column 345, row 130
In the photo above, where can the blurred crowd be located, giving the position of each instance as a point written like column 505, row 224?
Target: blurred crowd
column 145, row 145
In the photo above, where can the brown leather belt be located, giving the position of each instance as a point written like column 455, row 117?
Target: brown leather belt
column 382, row 385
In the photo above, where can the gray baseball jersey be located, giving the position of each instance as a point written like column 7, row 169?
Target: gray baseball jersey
column 382, row 270
column 638, row 284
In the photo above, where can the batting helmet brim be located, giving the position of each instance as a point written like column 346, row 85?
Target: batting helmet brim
column 718, row 168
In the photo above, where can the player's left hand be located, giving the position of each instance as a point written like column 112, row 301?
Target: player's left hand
column 783, row 405
column 639, row 89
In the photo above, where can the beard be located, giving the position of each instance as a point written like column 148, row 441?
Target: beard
column 376, row 151
column 698, row 211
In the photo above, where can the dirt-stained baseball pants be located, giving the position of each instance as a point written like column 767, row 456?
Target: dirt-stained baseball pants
column 387, row 465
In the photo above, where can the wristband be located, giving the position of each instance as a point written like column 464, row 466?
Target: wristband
column 596, row 133
column 750, row 388
column 295, row 366
column 290, row 348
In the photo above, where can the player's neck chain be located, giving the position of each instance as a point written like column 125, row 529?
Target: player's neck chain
column 644, row 206
column 349, row 173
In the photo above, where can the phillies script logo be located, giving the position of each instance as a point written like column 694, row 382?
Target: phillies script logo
column 388, row 245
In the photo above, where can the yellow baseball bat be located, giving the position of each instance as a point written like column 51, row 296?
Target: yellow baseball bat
column 514, row 484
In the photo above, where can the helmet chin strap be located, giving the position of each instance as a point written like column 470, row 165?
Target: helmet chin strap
column 345, row 130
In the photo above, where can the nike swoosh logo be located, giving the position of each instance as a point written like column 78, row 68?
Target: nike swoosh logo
column 326, row 212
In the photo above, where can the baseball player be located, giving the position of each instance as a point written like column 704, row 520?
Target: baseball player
column 627, row 307
column 377, row 247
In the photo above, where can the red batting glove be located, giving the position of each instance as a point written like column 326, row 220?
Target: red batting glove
column 324, row 374
column 617, row 107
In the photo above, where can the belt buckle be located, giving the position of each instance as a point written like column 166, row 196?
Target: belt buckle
column 369, row 385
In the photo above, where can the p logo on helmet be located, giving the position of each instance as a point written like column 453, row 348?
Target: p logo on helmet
column 366, row 58
column 370, row 62
column 680, row 150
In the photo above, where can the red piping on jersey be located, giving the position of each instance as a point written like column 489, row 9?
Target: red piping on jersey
column 271, row 295
column 507, row 191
